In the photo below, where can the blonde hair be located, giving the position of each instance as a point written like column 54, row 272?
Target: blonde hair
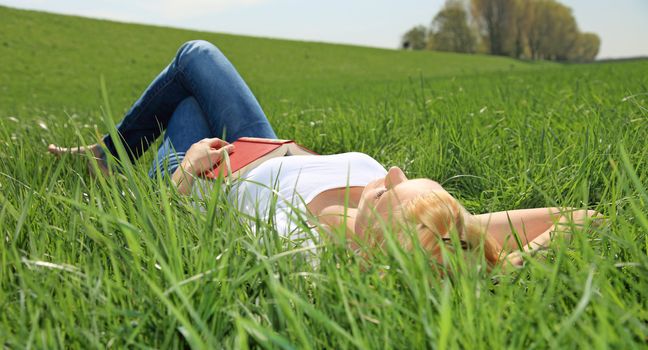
column 435, row 215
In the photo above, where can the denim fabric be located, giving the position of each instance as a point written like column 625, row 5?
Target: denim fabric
column 187, row 125
column 199, row 94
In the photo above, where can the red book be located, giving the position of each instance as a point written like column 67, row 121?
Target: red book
column 250, row 152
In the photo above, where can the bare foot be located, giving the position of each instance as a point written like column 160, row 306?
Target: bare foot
column 58, row 151
column 95, row 150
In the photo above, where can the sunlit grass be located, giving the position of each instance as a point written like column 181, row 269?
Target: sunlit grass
column 126, row 262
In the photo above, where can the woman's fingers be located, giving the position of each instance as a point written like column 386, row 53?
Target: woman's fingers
column 513, row 260
column 215, row 142
column 214, row 156
column 217, row 154
column 229, row 148
column 205, row 154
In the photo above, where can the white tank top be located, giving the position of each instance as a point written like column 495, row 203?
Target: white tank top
column 295, row 181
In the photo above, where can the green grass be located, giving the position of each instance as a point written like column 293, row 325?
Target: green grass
column 126, row 262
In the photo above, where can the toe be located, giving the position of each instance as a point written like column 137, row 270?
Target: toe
column 52, row 148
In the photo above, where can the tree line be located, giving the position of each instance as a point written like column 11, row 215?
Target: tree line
column 525, row 29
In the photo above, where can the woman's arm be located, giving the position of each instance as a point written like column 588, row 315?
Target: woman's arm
column 200, row 157
column 569, row 218
column 183, row 180
column 534, row 227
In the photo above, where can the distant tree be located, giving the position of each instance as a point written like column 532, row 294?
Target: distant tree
column 415, row 38
column 450, row 30
column 496, row 20
column 520, row 27
column 535, row 29
column 586, row 47
column 564, row 31
column 552, row 30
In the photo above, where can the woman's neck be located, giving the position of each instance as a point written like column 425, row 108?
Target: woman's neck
column 337, row 209
column 342, row 196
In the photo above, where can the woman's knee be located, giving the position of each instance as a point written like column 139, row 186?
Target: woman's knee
column 197, row 49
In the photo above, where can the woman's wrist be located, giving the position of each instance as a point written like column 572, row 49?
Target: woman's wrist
column 183, row 177
column 186, row 166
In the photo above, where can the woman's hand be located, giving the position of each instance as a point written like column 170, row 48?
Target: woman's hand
column 200, row 157
column 204, row 155
column 515, row 259
column 565, row 221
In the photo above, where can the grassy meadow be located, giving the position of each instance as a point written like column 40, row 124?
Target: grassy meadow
column 125, row 262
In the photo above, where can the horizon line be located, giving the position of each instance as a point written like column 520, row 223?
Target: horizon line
column 187, row 28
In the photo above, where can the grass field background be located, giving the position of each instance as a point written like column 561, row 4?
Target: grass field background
column 126, row 262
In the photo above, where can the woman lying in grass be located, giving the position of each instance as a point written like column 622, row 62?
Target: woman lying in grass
column 200, row 96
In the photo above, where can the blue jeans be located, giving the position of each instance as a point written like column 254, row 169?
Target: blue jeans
column 198, row 95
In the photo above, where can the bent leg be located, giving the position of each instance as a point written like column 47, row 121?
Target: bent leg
column 201, row 71
column 186, row 126
column 230, row 108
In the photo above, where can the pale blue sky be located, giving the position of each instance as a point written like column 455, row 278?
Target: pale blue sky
column 622, row 24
